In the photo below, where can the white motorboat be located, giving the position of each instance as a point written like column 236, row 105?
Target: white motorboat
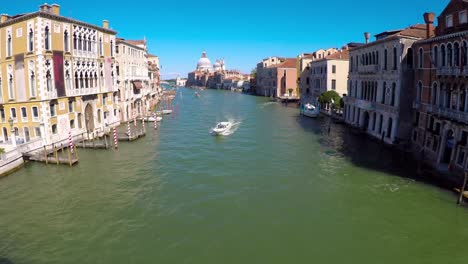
column 310, row 110
column 221, row 128
column 151, row 119
column 164, row 112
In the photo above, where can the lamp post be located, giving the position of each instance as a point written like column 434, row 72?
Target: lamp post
column 12, row 130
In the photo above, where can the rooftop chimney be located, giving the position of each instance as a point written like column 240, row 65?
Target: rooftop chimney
column 429, row 19
column 3, row 18
column 56, row 9
column 367, row 36
column 105, row 24
column 44, row 8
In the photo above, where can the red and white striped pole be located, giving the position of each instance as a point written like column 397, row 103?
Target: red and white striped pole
column 116, row 145
column 70, row 142
column 129, row 131
column 155, row 121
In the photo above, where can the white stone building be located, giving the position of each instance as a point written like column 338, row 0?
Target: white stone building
column 380, row 84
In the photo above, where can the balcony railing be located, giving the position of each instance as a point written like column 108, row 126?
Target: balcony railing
column 82, row 91
column 369, row 68
column 449, row 113
column 51, row 94
column 386, row 108
column 448, row 71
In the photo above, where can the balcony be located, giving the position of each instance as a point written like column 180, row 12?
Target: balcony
column 51, row 94
column 448, row 113
column 448, row 71
column 386, row 108
column 371, row 69
column 366, row 105
column 83, row 91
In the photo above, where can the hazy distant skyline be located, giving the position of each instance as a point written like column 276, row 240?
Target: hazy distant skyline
column 242, row 32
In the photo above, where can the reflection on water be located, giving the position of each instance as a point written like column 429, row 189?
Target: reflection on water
column 281, row 189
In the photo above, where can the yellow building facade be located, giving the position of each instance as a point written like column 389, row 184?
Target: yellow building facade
column 56, row 77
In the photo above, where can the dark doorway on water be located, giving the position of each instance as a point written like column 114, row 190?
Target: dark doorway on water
column 365, row 125
column 89, row 118
column 449, row 143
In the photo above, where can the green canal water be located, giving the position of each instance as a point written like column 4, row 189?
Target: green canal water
column 279, row 189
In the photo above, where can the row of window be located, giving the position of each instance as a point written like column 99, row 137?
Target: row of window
column 446, row 95
column 447, row 54
column 80, row 42
column 368, row 90
column 372, row 58
column 24, row 113
column 370, row 121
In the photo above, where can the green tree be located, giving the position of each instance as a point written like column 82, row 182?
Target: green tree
column 327, row 97
column 253, row 73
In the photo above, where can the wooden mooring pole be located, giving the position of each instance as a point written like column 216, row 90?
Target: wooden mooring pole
column 69, row 157
column 56, row 155
column 462, row 190
column 45, row 155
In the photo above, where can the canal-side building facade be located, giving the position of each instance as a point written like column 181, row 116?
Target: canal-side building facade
column 441, row 103
column 56, row 77
column 277, row 77
column 328, row 74
column 380, row 84
column 133, row 78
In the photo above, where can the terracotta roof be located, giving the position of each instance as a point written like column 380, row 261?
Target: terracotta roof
column 136, row 42
column 152, row 56
column 288, row 63
column 414, row 31
column 340, row 55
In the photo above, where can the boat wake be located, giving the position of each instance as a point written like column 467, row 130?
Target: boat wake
column 267, row 104
column 234, row 126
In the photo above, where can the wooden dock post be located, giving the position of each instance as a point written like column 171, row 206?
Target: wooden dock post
column 69, row 158
column 75, row 151
column 56, row 155
column 105, row 141
column 462, row 190
column 45, row 155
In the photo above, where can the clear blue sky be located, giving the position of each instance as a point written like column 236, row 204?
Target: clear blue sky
column 242, row 32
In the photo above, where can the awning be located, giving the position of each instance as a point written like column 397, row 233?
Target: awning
column 137, row 85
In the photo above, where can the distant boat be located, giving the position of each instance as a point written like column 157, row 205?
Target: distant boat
column 221, row 127
column 310, row 110
column 151, row 119
column 164, row 112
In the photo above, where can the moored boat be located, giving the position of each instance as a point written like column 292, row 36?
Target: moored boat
column 310, row 110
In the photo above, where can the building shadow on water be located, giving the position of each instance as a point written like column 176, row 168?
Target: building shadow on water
column 5, row 261
column 340, row 140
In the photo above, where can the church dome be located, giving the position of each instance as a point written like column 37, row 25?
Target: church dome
column 203, row 62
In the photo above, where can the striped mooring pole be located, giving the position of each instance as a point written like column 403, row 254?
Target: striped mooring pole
column 134, row 120
column 129, row 131
column 70, row 141
column 116, row 145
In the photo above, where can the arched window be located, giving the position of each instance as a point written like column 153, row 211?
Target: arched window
column 435, row 61
column 377, row 57
column 434, row 94
column 9, row 46
column 464, row 54
column 75, row 42
column 112, row 48
column 384, row 91
column 86, row 80
column 31, row 40
column 67, row 80
column 420, row 58
column 32, row 84
column 49, row 81
column 462, row 92
column 385, row 59
column 10, row 87
column 81, row 80
column 80, row 42
column 373, row 58
column 89, row 44
column 395, row 58
column 441, row 95
column 449, row 55
column 456, row 54
column 47, row 38
column 374, row 117
column 99, row 115
column 76, row 81
column 419, row 92
column 389, row 127
column 392, row 101
column 65, row 41
column 443, row 56
column 100, row 47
